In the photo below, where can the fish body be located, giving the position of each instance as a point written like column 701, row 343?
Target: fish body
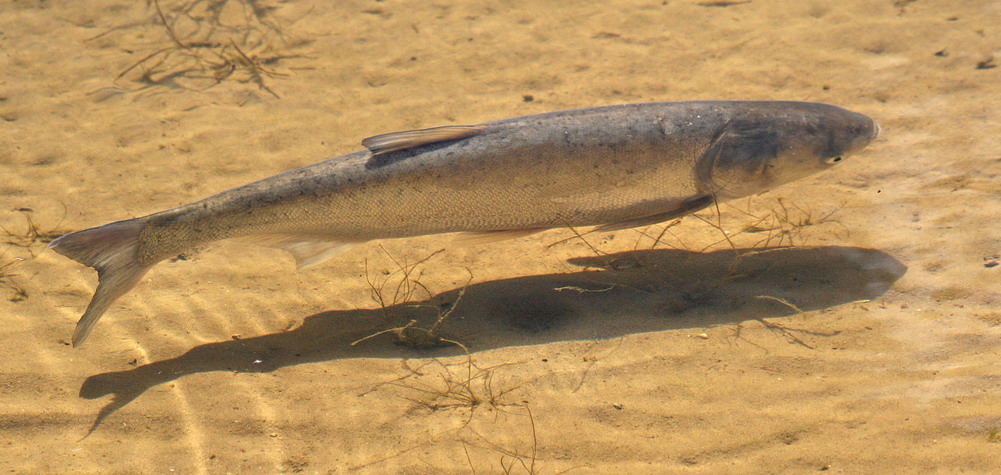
column 615, row 167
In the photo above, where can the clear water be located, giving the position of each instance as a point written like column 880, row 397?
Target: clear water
column 846, row 322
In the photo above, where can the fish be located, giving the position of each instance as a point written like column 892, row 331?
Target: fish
column 614, row 167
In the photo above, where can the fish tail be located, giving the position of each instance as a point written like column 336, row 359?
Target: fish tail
column 112, row 249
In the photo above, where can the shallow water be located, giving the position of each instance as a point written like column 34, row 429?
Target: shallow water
column 872, row 347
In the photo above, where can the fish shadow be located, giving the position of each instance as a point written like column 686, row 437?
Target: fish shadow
column 614, row 295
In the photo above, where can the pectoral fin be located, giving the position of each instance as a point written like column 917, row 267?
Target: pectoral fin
column 395, row 141
column 686, row 207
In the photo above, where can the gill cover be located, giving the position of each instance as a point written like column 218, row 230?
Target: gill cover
column 739, row 160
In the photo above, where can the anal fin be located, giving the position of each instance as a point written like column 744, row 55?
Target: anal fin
column 307, row 249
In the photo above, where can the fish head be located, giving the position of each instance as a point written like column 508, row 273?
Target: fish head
column 759, row 150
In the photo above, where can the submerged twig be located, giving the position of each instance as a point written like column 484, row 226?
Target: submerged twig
column 207, row 47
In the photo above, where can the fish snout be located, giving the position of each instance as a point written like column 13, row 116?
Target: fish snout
column 860, row 134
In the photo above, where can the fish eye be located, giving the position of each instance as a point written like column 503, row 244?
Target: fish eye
column 833, row 160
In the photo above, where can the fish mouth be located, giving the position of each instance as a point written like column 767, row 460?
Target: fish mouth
column 875, row 130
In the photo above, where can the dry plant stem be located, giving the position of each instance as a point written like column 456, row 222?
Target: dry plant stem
column 581, row 290
column 469, row 459
column 781, row 301
column 405, row 288
column 577, row 235
column 659, row 238
column 214, row 51
column 788, row 231
column 32, row 235
column 508, row 465
column 411, row 372
column 788, row 333
column 408, row 286
column 666, row 230
column 593, row 360
column 451, row 390
column 26, row 242
column 7, row 281
column 410, row 334
column 433, row 331
column 782, row 225
column 535, row 441
column 166, row 24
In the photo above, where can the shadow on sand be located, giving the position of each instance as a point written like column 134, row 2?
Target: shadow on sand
column 615, row 295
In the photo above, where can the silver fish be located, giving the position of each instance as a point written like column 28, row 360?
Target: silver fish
column 615, row 167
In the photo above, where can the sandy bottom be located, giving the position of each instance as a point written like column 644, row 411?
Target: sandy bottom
column 871, row 347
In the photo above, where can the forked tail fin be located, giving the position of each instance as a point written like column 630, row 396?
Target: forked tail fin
column 112, row 249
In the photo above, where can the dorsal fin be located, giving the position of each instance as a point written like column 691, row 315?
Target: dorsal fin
column 392, row 142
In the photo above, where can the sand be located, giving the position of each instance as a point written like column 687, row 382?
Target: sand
column 870, row 347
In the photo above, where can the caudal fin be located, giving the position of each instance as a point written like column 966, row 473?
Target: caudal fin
column 112, row 249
